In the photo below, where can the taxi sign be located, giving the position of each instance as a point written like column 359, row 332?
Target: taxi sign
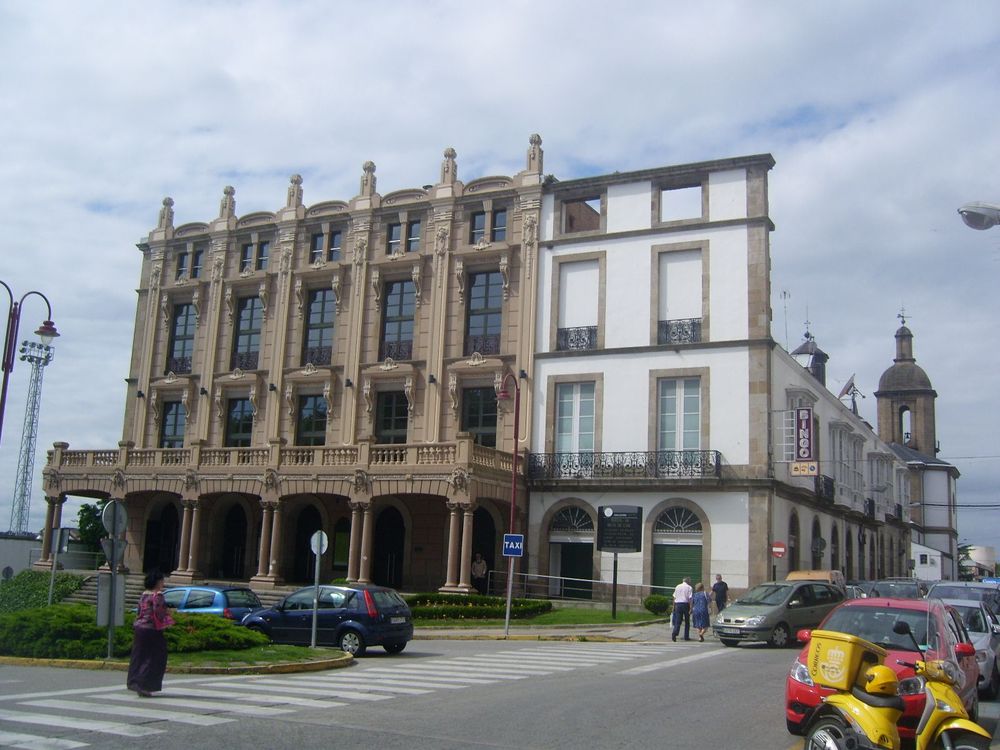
column 513, row 545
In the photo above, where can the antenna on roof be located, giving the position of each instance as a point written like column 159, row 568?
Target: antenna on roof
column 785, row 296
column 850, row 389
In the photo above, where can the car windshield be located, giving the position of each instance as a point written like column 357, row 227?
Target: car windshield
column 973, row 618
column 896, row 589
column 969, row 593
column 875, row 624
column 766, row 593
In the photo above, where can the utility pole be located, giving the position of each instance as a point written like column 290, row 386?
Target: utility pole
column 38, row 355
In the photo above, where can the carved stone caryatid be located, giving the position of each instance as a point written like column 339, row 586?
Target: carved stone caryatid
column 535, row 154
column 294, row 192
column 366, row 391
column 505, row 274
column 328, row 399
column 165, row 312
column 252, row 398
column 186, row 403
column 440, row 252
column 377, row 286
column 230, row 304
column 290, row 400
column 449, row 169
column 264, row 294
column 408, row 392
column 415, row 274
column 529, row 237
column 335, row 287
column 217, row 398
column 227, row 206
column 154, row 277
column 196, row 306
column 154, row 407
column 218, row 261
column 360, row 250
column 299, row 297
column 453, row 392
column 166, row 220
column 460, row 279
column 285, row 261
column 368, row 179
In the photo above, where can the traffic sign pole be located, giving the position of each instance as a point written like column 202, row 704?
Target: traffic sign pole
column 318, row 542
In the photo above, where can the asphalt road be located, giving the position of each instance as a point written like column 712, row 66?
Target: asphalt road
column 436, row 694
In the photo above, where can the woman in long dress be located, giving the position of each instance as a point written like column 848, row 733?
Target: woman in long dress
column 699, row 610
column 149, row 645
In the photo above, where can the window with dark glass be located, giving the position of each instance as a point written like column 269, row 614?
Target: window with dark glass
column 239, row 423
column 477, row 227
column 246, row 337
column 246, row 258
column 498, row 232
column 399, row 303
column 317, row 248
column 197, row 260
column 393, row 238
column 318, row 342
column 391, row 417
column 484, row 314
column 333, row 246
column 182, row 265
column 263, row 249
column 479, row 415
column 413, row 236
column 310, row 428
column 172, row 425
column 182, row 332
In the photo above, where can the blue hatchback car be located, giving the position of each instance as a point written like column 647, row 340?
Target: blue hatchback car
column 350, row 617
column 231, row 602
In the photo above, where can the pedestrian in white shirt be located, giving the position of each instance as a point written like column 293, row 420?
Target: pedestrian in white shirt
column 682, row 608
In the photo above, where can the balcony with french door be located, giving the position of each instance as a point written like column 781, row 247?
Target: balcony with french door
column 637, row 466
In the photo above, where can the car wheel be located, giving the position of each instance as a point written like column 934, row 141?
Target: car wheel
column 779, row 636
column 974, row 710
column 968, row 741
column 827, row 734
column 351, row 642
column 394, row 648
column 728, row 642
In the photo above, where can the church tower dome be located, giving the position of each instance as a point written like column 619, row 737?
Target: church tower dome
column 906, row 400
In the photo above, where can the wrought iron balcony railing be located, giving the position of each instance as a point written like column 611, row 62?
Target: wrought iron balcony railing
column 576, row 339
column 625, row 465
column 683, row 331
column 486, row 344
column 179, row 365
column 245, row 360
column 317, row 355
column 870, row 508
column 397, row 350
column 826, row 489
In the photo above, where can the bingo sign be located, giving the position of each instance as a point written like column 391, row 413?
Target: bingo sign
column 805, row 463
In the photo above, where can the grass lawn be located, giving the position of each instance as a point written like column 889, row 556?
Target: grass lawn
column 272, row 654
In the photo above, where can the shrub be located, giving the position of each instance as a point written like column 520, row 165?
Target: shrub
column 30, row 588
column 658, row 604
column 70, row 631
column 433, row 606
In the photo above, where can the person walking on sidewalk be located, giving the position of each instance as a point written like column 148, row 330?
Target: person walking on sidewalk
column 699, row 610
column 721, row 591
column 682, row 609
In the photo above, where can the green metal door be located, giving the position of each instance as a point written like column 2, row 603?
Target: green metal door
column 672, row 562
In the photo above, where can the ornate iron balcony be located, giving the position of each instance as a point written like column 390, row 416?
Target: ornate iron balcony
column 245, row 360
column 398, row 350
column 317, row 355
column 825, row 487
column 179, row 365
column 486, row 344
column 576, row 339
column 683, row 331
column 625, row 465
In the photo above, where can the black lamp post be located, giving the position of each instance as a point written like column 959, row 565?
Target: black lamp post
column 46, row 331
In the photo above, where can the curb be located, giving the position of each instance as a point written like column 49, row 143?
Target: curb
column 119, row 666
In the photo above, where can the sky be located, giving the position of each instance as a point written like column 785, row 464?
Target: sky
column 881, row 117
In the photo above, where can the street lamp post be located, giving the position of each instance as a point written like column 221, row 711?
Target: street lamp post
column 503, row 393
column 980, row 215
column 46, row 331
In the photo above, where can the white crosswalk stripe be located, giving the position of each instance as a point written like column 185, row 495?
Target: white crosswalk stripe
column 65, row 722
column 136, row 711
column 34, row 742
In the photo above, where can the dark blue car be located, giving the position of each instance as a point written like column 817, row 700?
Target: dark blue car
column 350, row 617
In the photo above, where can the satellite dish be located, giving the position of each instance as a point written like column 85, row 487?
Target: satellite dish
column 847, row 387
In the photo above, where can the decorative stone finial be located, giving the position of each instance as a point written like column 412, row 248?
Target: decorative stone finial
column 227, row 208
column 535, row 153
column 294, row 192
column 166, row 214
column 449, row 170
column 368, row 179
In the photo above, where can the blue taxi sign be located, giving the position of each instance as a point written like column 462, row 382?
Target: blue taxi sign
column 513, row 545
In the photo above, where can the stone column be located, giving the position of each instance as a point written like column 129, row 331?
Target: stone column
column 354, row 546
column 195, row 537
column 365, row 573
column 50, row 512
column 185, row 551
column 275, row 555
column 264, row 552
column 466, row 580
column 454, row 540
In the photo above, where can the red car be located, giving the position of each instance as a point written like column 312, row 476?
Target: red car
column 938, row 630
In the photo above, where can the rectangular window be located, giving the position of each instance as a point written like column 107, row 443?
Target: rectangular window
column 582, row 215
column 182, row 332
column 680, row 297
column 172, row 425
column 239, row 423
column 484, row 313
column 479, row 415
column 391, row 417
column 413, row 236
column 182, row 266
column 310, row 429
column 399, row 304
column 575, row 418
column 197, row 262
column 333, row 245
column 317, row 248
column 246, row 337
column 477, row 227
column 579, row 292
column 679, row 414
column 498, row 232
column 325, row 246
column 263, row 249
column 680, row 203
column 393, row 238
column 246, row 258
column 318, row 340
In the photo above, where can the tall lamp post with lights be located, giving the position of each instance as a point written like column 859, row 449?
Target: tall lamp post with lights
column 504, row 394
column 980, row 215
column 46, row 331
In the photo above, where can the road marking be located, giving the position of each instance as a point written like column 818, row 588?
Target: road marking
column 500, row 668
column 65, row 722
column 233, row 708
column 141, row 713
column 436, row 675
column 282, row 700
column 34, row 742
column 673, row 662
column 330, row 689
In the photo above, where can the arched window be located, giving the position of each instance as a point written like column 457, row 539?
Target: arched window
column 572, row 520
column 677, row 520
column 905, row 424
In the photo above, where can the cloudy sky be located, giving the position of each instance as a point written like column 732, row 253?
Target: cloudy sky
column 882, row 118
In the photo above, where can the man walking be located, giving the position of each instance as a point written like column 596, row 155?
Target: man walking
column 682, row 608
column 721, row 590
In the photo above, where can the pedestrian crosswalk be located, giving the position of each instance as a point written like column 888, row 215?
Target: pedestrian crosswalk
column 77, row 718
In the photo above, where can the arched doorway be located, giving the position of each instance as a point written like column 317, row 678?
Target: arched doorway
column 234, row 543
column 161, row 541
column 387, row 557
column 484, row 539
column 304, row 563
column 793, row 542
column 677, row 547
column 571, row 554
column 817, row 546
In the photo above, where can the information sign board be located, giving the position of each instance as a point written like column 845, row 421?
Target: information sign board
column 619, row 528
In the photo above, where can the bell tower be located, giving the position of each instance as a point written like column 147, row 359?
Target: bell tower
column 906, row 400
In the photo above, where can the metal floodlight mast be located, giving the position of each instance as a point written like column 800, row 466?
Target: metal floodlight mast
column 38, row 355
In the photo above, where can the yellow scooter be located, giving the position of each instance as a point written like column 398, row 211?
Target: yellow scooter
column 863, row 713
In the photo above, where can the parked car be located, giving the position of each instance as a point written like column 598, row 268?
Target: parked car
column 231, row 602
column 772, row 612
column 350, row 617
column 989, row 593
column 984, row 630
column 897, row 589
column 834, row 577
column 855, row 592
column 938, row 630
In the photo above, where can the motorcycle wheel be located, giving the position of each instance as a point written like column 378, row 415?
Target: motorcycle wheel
column 965, row 741
column 827, row 734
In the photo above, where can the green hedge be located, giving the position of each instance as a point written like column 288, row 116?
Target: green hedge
column 70, row 631
column 433, row 606
column 30, row 588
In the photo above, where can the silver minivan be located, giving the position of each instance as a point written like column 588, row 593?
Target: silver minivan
column 773, row 612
